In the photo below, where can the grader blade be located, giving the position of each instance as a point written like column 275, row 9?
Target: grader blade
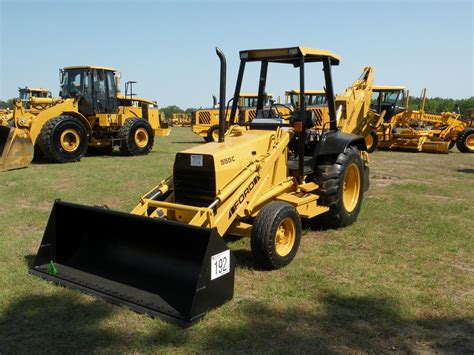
column 166, row 269
column 16, row 148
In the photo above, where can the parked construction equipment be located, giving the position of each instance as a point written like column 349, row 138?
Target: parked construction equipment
column 418, row 130
column 26, row 93
column 353, row 109
column 205, row 122
column 180, row 120
column 167, row 257
column 91, row 112
column 313, row 97
column 33, row 99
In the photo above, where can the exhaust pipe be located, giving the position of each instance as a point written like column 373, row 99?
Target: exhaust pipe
column 223, row 76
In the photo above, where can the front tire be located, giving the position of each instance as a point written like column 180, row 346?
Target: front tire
column 213, row 134
column 465, row 141
column 341, row 184
column 136, row 137
column 372, row 141
column 276, row 235
column 63, row 139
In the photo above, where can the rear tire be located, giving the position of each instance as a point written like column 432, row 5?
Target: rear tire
column 276, row 235
column 372, row 141
column 63, row 139
column 213, row 134
column 341, row 187
column 451, row 145
column 136, row 137
column 465, row 141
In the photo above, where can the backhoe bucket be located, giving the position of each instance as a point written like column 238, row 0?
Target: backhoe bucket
column 166, row 269
column 16, row 148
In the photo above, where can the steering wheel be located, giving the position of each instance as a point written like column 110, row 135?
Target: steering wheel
column 275, row 104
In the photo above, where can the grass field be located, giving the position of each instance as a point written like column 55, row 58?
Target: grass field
column 401, row 279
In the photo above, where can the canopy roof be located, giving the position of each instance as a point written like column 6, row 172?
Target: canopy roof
column 289, row 55
column 89, row 67
column 307, row 92
column 34, row 89
column 254, row 95
column 388, row 88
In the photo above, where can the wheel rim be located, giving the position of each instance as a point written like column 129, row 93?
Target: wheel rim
column 70, row 140
column 215, row 135
column 141, row 137
column 470, row 141
column 285, row 237
column 369, row 141
column 351, row 189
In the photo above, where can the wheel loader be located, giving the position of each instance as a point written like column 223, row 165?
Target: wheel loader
column 90, row 113
column 205, row 122
column 418, row 130
column 167, row 258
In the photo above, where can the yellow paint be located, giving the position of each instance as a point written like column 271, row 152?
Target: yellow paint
column 285, row 237
column 43, row 109
column 351, row 187
column 419, row 130
column 70, row 140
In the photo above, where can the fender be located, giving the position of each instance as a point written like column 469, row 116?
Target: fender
column 81, row 118
column 67, row 107
column 335, row 142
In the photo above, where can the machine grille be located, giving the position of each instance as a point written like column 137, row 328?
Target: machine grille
column 204, row 117
column 194, row 185
column 318, row 113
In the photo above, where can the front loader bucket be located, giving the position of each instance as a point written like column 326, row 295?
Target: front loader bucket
column 165, row 269
column 16, row 148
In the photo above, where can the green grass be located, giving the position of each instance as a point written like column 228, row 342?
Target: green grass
column 400, row 279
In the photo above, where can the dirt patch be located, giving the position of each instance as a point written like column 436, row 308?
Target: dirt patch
column 43, row 206
column 384, row 180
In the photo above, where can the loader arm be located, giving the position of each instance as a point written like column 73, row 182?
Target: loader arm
column 353, row 106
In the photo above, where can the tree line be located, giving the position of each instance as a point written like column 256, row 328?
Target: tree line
column 438, row 104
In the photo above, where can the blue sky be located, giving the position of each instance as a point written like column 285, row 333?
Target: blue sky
column 168, row 47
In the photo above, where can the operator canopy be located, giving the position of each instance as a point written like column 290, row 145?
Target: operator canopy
column 387, row 88
column 289, row 55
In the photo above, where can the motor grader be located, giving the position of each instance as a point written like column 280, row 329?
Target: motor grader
column 418, row 130
column 90, row 112
column 167, row 257
column 205, row 122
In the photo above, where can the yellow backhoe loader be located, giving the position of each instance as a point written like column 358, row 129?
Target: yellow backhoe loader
column 167, row 257
column 418, row 130
column 205, row 122
column 91, row 112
